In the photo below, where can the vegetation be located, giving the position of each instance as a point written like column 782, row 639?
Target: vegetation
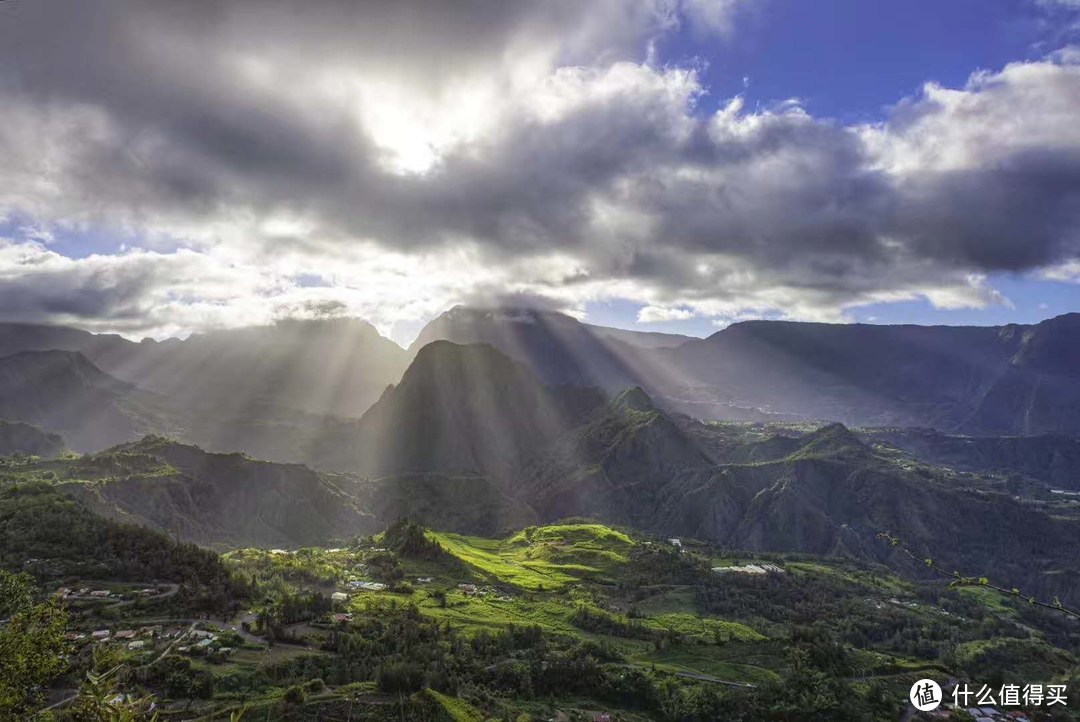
column 31, row 644
column 574, row 618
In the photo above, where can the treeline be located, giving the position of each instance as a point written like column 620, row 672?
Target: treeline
column 53, row 537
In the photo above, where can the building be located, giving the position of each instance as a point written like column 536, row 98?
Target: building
column 367, row 586
column 100, row 593
column 339, row 597
column 469, row 589
column 677, row 543
column 125, row 634
column 100, row 635
column 137, row 644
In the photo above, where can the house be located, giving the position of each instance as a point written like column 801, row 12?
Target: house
column 137, row 644
column 423, row 580
column 202, row 634
column 339, row 597
column 469, row 589
column 100, row 593
column 74, row 636
column 101, row 634
column 368, row 586
column 342, row 618
column 677, row 543
column 125, row 634
column 226, row 650
column 205, row 643
column 62, row 592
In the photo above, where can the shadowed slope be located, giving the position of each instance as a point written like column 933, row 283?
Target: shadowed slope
column 62, row 391
column 458, row 409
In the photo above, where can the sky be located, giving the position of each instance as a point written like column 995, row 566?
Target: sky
column 667, row 165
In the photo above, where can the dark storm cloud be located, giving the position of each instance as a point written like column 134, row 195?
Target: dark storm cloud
column 180, row 118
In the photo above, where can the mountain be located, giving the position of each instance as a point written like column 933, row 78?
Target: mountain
column 641, row 339
column 214, row 499
column 19, row 438
column 984, row 380
column 833, row 495
column 63, row 392
column 328, row 366
column 613, row 466
column 558, row 348
column 458, row 409
column 1053, row 459
column 54, row 537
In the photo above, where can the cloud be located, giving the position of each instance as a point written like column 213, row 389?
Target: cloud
column 655, row 314
column 413, row 156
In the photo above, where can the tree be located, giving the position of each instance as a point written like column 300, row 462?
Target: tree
column 31, row 645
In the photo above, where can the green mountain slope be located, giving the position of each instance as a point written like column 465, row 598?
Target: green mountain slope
column 55, row 537
column 213, row 499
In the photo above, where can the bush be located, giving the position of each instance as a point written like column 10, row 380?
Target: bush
column 295, row 694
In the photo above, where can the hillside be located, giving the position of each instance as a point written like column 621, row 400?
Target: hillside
column 581, row 618
column 54, row 537
column 832, row 495
column 64, row 392
column 614, row 465
column 1052, row 459
column 19, row 438
column 458, row 409
column 223, row 500
column 983, row 380
column 559, row 349
column 331, row 366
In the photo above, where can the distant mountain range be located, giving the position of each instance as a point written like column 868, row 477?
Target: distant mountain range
column 1008, row 380
column 977, row 380
column 334, row 367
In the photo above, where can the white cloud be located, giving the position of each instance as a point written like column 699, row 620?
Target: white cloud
column 656, row 314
